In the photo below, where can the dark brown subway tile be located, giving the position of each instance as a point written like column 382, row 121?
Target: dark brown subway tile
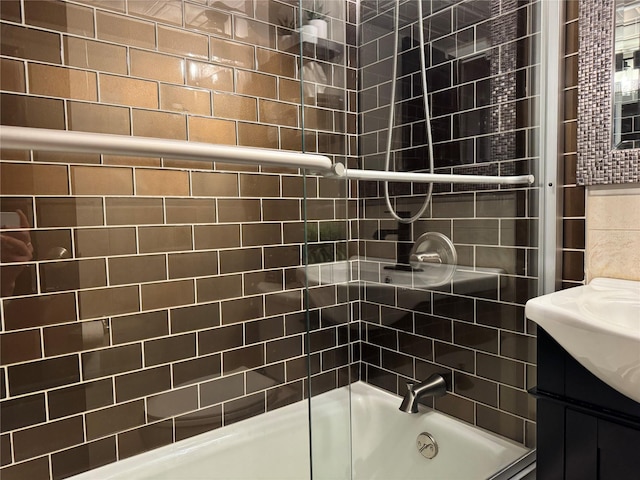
column 242, row 309
column 518, row 347
column 455, row 357
column 145, row 438
column 433, row 327
column 36, row 469
column 137, row 269
column 500, row 423
column 75, row 337
column 262, row 282
column 239, row 210
column 142, row 383
column 30, row 44
column 170, row 349
column 415, row 346
column 264, row 329
column 49, row 437
column 197, row 317
column 219, row 339
column 517, row 402
column 101, row 242
column 69, row 212
column 458, row 407
column 259, row 185
column 278, row 210
column 167, row 294
column 476, row 337
column 20, row 346
column 108, row 421
column 282, row 349
column 500, row 369
column 284, row 256
column 6, row 456
column 204, row 420
column 38, row 311
column 284, row 302
column 72, row 275
column 108, row 301
column 142, row 326
column 221, row 390
column 210, row 184
column 184, row 265
column 22, row 412
column 34, row 112
column 190, row 210
column 43, row 374
column 219, row 288
column 500, row 315
column 284, row 395
column 197, row 370
column 261, row 234
column 475, row 388
column 11, row 10
column 164, row 239
column 133, row 211
column 243, row 408
column 82, row 458
column 51, row 244
column 79, row 398
column 216, row 236
column 109, row 361
column 244, row 358
column 170, row 404
column 240, row 260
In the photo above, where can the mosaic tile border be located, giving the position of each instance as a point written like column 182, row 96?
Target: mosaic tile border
column 597, row 163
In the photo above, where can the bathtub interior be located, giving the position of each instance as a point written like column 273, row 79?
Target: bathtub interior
column 381, row 445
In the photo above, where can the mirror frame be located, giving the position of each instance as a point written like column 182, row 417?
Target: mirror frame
column 598, row 162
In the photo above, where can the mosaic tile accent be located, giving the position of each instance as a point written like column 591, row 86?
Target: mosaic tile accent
column 598, row 164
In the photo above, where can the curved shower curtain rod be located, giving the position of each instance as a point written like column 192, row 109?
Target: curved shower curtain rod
column 83, row 142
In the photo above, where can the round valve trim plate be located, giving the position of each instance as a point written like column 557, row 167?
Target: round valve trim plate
column 427, row 445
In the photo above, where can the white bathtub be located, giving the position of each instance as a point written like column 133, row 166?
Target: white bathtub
column 276, row 446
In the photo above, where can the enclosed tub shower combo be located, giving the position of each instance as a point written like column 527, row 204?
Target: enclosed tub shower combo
column 231, row 251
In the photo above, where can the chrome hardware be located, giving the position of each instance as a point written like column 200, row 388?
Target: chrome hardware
column 434, row 386
column 427, row 445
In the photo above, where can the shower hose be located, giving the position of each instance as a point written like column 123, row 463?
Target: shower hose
column 425, row 92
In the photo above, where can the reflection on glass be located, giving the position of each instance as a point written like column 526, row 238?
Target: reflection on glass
column 626, row 107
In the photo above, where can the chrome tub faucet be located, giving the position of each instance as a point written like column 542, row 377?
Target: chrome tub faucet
column 434, row 386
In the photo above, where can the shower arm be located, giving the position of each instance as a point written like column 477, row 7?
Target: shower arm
column 82, row 142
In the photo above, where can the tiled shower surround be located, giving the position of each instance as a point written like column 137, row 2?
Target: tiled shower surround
column 482, row 65
column 166, row 298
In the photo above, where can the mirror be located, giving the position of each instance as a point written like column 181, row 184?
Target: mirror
column 599, row 161
column 626, row 77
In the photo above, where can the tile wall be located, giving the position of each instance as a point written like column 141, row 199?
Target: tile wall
column 146, row 293
column 483, row 67
column 573, row 196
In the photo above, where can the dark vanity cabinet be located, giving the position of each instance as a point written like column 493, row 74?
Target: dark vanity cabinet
column 586, row 430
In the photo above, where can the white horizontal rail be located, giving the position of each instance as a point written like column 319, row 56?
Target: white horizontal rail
column 437, row 177
column 83, row 142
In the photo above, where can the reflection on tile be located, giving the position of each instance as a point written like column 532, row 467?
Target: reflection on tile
column 88, row 117
column 74, row 337
column 231, row 53
column 30, row 44
column 169, row 12
column 82, row 53
column 35, row 112
column 108, row 301
column 142, row 383
column 156, row 66
column 114, row 419
column 210, row 76
column 123, row 30
column 207, row 20
column 180, row 42
column 79, row 398
column 12, row 75
column 92, row 242
column 181, row 99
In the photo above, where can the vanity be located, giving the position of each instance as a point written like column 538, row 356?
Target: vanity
column 587, row 429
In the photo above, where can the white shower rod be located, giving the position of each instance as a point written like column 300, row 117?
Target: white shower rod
column 83, row 142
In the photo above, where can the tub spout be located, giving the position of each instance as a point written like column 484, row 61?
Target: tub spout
column 434, row 386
